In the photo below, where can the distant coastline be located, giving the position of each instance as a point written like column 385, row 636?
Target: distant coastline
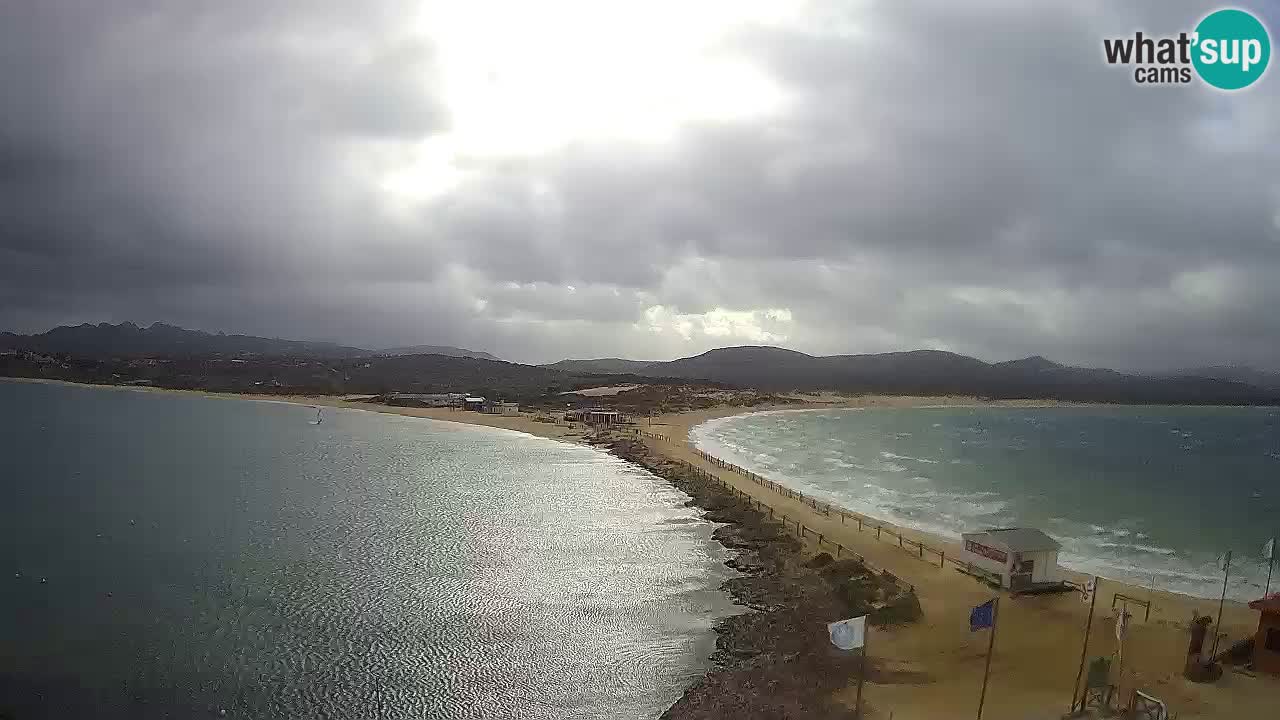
column 1042, row 635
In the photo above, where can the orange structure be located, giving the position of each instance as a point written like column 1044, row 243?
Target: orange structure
column 1266, row 646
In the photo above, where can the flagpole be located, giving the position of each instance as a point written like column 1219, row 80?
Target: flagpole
column 991, row 646
column 1122, row 622
column 1271, row 564
column 862, row 674
column 1217, row 628
column 1084, row 651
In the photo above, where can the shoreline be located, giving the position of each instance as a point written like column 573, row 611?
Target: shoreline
column 933, row 537
column 1047, row 652
column 773, row 660
column 1039, row 650
column 682, row 423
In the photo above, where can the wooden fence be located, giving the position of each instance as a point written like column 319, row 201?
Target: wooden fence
column 795, row 525
column 916, row 548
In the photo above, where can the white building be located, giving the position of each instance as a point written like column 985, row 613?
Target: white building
column 1024, row 558
column 503, row 408
column 596, row 416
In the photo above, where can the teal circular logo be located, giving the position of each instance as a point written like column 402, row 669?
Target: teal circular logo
column 1231, row 49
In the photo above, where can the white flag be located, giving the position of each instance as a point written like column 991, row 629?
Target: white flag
column 1089, row 589
column 1269, row 550
column 848, row 634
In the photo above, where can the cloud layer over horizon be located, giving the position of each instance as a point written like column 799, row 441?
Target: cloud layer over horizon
column 589, row 179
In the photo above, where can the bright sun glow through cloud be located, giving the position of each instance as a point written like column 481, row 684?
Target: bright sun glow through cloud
column 521, row 78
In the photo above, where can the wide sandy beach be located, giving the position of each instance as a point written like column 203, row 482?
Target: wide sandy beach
column 1038, row 647
column 1039, row 642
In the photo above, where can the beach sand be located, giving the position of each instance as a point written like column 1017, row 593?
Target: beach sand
column 1038, row 646
column 1039, row 638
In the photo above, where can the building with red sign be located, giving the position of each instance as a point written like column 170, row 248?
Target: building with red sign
column 1024, row 558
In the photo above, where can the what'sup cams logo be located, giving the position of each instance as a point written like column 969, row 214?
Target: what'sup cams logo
column 1228, row 50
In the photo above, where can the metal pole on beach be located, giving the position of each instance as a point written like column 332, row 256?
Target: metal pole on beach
column 1122, row 631
column 1217, row 627
column 1084, row 650
column 991, row 646
column 1271, row 564
column 862, row 674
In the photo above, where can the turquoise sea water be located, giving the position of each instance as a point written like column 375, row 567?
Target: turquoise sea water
column 1131, row 492
column 174, row 556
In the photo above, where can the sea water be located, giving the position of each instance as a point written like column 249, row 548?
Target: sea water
column 1139, row 494
column 178, row 556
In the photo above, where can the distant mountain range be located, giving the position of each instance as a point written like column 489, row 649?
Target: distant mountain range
column 161, row 340
column 602, row 365
column 918, row 372
column 437, row 350
column 1234, row 373
column 936, row 372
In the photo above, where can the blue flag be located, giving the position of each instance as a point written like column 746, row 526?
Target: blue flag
column 982, row 616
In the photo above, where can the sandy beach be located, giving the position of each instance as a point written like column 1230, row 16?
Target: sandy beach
column 1039, row 644
column 1038, row 648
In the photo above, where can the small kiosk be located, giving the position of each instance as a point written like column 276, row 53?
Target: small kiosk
column 1025, row 558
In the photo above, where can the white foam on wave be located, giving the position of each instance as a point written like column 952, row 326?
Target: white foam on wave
column 894, row 456
column 1122, row 552
column 1140, row 548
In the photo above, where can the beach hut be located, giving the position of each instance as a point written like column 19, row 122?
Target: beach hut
column 1024, row 558
column 1266, row 644
column 596, row 416
column 475, row 403
column 503, row 408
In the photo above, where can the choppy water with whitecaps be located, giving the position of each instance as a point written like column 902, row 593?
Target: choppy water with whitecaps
column 1131, row 492
column 176, row 556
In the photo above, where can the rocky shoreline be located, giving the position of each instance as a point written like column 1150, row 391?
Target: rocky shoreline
column 776, row 660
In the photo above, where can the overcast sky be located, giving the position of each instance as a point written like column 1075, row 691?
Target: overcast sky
column 642, row 179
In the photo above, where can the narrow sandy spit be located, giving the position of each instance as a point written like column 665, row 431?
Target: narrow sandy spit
column 1039, row 642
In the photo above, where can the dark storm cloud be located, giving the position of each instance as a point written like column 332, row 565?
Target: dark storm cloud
column 152, row 152
column 970, row 176
column 985, row 179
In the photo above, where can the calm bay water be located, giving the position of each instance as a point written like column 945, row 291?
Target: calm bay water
column 1130, row 492
column 174, row 556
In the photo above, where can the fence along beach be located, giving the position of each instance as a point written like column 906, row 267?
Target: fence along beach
column 1041, row 636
